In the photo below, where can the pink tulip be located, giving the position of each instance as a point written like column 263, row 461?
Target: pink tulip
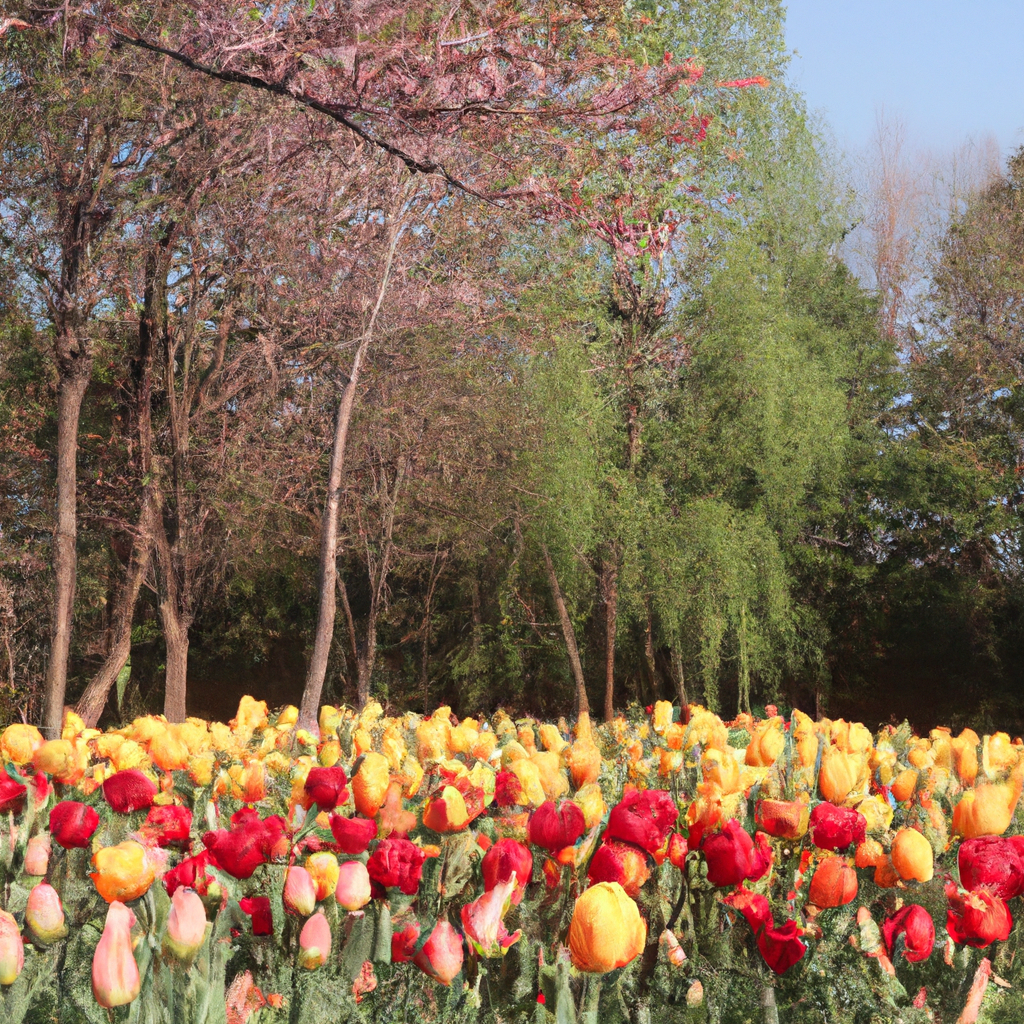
column 314, row 942
column 482, row 920
column 441, row 956
column 299, row 892
column 186, row 925
column 115, row 975
column 12, row 951
column 44, row 914
column 353, row 888
column 37, row 854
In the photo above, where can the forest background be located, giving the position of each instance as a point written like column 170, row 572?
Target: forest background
column 533, row 375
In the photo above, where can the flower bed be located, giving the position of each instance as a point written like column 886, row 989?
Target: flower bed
column 423, row 868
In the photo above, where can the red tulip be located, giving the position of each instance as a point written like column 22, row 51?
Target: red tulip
column 129, row 791
column 441, row 955
column 976, row 918
column 507, row 789
column 835, row 828
column 678, row 848
column 994, row 863
column 327, row 787
column 72, row 824
column 314, row 942
column 915, row 924
column 353, row 835
column 258, row 908
column 622, row 863
column 191, row 873
column 752, row 905
column 732, row 855
column 780, row 947
column 397, row 863
column 555, row 828
column 643, row 818
column 12, row 795
column 249, row 843
column 166, row 826
column 503, row 859
column 115, row 975
column 403, row 943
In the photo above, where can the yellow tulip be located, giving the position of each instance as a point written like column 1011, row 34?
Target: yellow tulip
column 878, row 813
column 123, row 872
column 840, row 774
column 19, row 742
column 912, row 856
column 662, row 717
column 986, row 810
column 370, row 784
column 766, row 744
column 607, row 930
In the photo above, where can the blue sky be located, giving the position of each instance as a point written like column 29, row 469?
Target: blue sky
column 951, row 69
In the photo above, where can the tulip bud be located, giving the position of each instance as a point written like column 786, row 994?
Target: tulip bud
column 353, row 888
column 186, row 925
column 12, row 951
column 695, row 995
column 314, row 942
column 441, row 956
column 115, row 975
column 299, row 892
column 37, row 855
column 676, row 954
column 677, row 850
column 323, row 869
column 607, row 931
column 44, row 914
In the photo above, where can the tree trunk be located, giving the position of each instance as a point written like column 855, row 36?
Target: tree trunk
column 771, row 1011
column 652, row 666
column 610, row 593
column 175, row 622
column 94, row 700
column 309, row 707
column 582, row 703
column 677, row 671
column 70, row 393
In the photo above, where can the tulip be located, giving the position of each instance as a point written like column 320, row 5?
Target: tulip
column 840, row 774
column 976, row 918
column 249, row 843
column 123, row 872
column 986, row 810
column 482, row 921
column 441, row 955
column 622, row 863
column 403, row 943
column 584, row 761
column 314, row 942
column 12, row 950
column 869, row 854
column 505, row 859
column 507, row 789
column 643, row 818
column 44, row 914
column 37, row 855
column 12, row 795
column 912, row 856
column 993, row 863
column 607, row 930
column 191, row 873
column 168, row 751
column 19, row 743
column 72, row 824
column 186, row 925
column 678, row 848
column 446, row 813
column 915, row 924
column 258, row 910
column 780, row 947
column 834, row 883
column 752, row 905
column 555, row 827
column 904, row 785
column 299, row 895
column 397, row 863
column 835, row 828
column 129, row 791
column 767, row 743
column 352, row 889
column 732, row 855
column 370, row 784
column 115, row 975
column 327, row 787
column 167, row 826
column 323, row 869
column 784, row 819
column 353, row 835
column 62, row 760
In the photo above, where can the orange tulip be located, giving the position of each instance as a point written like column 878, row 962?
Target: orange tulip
column 447, row 812
column 840, row 774
column 370, row 784
column 20, row 742
column 904, row 784
column 834, row 883
column 607, row 930
column 912, row 856
column 766, row 744
column 986, row 810
column 115, row 975
column 784, row 819
column 123, row 872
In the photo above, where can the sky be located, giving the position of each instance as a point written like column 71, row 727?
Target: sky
column 950, row 69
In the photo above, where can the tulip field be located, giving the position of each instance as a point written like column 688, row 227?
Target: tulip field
column 665, row 866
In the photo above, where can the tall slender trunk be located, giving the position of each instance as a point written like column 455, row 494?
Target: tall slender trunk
column 425, row 629
column 680, row 678
column 652, row 666
column 70, row 393
column 94, row 700
column 175, row 622
column 310, row 706
column 610, row 593
column 582, row 703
